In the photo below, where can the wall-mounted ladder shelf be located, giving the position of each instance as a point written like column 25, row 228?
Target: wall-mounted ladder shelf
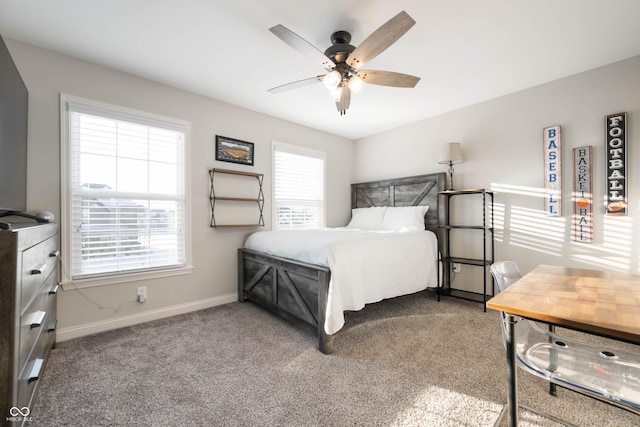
column 214, row 199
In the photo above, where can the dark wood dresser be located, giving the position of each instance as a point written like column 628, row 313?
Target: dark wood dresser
column 28, row 287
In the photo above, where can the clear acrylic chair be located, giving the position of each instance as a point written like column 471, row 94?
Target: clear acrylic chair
column 611, row 375
column 505, row 273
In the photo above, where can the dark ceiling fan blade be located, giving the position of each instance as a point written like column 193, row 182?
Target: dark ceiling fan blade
column 387, row 78
column 296, row 85
column 302, row 46
column 345, row 100
column 380, row 39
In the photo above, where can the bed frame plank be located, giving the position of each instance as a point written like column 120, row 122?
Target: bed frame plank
column 293, row 291
column 258, row 276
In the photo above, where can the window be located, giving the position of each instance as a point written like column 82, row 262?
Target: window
column 298, row 187
column 124, row 195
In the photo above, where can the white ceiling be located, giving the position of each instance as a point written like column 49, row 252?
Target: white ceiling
column 465, row 51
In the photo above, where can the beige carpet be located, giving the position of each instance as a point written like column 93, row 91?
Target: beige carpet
column 409, row 361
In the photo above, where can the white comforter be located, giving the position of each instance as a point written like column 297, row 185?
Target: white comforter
column 366, row 266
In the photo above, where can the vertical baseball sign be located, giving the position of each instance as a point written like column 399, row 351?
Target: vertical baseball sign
column 582, row 195
column 616, row 126
column 552, row 171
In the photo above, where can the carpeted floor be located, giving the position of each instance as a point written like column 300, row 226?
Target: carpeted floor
column 410, row 361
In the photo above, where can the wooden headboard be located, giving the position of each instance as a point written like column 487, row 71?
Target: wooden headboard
column 421, row 190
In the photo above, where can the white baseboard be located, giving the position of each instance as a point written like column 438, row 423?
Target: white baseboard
column 65, row 334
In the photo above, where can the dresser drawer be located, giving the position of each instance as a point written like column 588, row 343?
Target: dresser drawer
column 38, row 262
column 33, row 369
column 37, row 317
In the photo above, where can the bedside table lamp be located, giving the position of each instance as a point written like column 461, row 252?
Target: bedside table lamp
column 451, row 155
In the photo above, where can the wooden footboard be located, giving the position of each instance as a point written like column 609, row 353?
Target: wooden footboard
column 294, row 290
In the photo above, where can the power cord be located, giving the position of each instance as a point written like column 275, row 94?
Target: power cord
column 116, row 309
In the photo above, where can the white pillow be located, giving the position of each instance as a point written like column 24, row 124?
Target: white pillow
column 367, row 218
column 404, row 218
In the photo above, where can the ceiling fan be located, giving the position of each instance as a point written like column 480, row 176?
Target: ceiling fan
column 342, row 60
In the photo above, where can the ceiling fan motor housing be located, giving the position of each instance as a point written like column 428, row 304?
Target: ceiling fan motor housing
column 340, row 49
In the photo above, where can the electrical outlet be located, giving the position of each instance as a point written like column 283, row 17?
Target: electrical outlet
column 142, row 294
column 457, row 267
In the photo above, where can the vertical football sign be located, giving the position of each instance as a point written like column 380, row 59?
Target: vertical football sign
column 616, row 137
column 552, row 171
column 582, row 195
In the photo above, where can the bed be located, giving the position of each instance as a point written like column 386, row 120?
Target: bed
column 302, row 287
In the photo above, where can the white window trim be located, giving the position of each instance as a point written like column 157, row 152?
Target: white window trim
column 303, row 151
column 65, row 221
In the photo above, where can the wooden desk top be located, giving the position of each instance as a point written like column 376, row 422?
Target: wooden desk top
column 598, row 302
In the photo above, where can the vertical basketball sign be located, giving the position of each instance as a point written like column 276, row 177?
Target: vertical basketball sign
column 582, row 195
column 552, row 171
column 616, row 125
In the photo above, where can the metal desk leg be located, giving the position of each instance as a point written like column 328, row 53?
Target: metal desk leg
column 512, row 379
column 553, row 365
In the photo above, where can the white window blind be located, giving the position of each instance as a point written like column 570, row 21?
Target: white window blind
column 298, row 187
column 125, row 196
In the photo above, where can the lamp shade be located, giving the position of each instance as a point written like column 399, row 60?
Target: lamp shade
column 451, row 154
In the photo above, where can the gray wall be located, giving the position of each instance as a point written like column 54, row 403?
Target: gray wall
column 213, row 279
column 501, row 142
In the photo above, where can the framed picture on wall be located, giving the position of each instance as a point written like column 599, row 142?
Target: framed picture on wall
column 234, row 151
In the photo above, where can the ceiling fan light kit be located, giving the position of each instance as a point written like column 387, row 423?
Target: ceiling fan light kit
column 355, row 84
column 332, row 80
column 341, row 60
